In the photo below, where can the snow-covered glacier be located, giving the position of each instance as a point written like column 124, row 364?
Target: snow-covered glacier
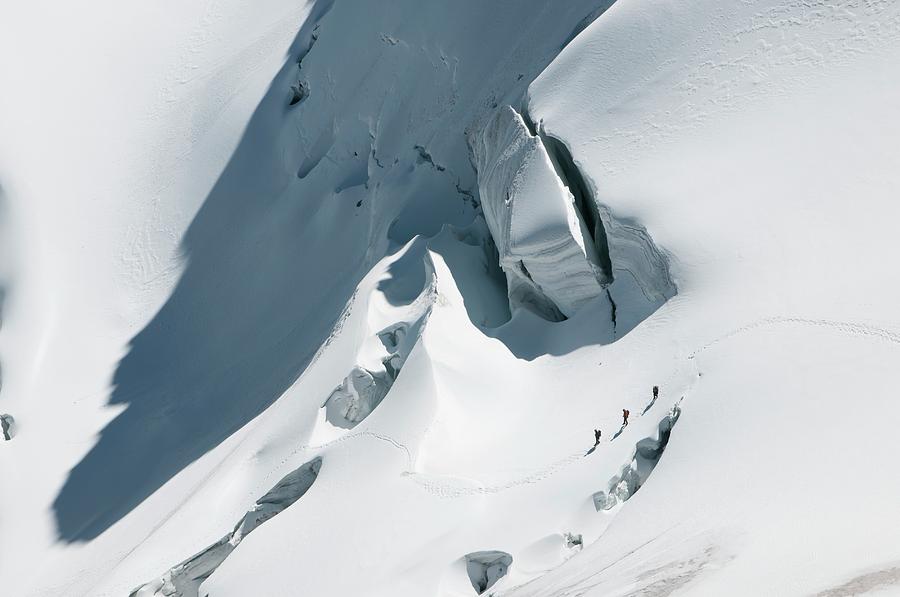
column 345, row 297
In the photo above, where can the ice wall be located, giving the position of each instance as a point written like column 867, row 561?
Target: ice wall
column 559, row 247
column 545, row 248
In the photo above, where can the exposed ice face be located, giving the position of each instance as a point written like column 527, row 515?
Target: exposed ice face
column 185, row 578
column 363, row 389
column 7, row 426
column 355, row 398
column 545, row 248
column 559, row 247
column 633, row 475
column 750, row 139
column 485, row 568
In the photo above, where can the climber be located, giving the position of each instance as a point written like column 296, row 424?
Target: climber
column 6, row 425
column 596, row 437
column 655, row 392
column 625, row 413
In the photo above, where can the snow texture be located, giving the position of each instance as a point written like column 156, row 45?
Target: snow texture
column 318, row 298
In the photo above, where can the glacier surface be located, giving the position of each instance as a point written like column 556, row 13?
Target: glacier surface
column 332, row 297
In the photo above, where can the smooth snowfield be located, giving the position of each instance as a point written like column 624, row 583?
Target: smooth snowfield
column 248, row 283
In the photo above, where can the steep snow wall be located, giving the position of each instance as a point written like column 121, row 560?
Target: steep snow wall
column 559, row 247
column 545, row 248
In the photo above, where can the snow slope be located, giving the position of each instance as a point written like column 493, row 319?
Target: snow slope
column 261, row 335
